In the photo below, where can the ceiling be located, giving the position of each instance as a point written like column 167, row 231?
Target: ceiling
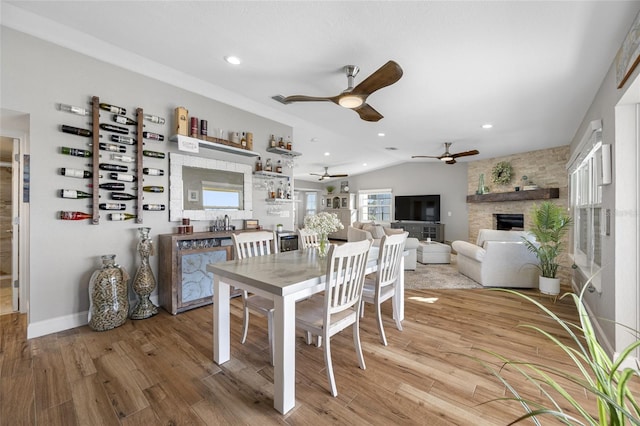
column 529, row 68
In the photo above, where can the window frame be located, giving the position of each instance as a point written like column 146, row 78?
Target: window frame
column 364, row 206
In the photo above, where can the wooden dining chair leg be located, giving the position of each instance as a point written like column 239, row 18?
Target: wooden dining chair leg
column 245, row 320
column 329, row 365
column 272, row 350
column 358, row 345
column 383, row 338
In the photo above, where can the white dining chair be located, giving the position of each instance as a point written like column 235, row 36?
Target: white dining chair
column 307, row 239
column 339, row 307
column 250, row 244
column 383, row 287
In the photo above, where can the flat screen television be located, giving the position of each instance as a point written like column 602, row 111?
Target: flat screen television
column 424, row 208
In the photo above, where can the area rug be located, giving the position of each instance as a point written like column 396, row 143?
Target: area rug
column 437, row 276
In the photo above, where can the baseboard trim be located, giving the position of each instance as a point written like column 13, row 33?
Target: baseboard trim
column 55, row 325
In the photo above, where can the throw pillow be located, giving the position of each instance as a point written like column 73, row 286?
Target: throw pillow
column 377, row 231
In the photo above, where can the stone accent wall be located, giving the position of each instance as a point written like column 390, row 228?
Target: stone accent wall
column 546, row 168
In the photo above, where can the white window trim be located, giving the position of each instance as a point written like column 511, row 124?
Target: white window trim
column 363, row 192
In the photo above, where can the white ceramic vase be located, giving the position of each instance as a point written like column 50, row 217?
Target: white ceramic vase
column 549, row 285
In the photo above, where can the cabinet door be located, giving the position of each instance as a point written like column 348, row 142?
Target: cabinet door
column 195, row 286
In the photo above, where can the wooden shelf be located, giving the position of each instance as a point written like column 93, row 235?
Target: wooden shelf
column 219, row 146
column 533, row 194
column 284, row 152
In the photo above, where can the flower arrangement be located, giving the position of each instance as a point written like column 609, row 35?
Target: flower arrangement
column 323, row 223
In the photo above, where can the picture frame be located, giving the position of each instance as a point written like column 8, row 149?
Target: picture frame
column 194, row 196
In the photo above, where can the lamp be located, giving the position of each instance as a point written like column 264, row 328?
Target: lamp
column 350, row 101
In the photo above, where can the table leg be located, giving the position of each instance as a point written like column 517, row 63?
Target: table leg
column 221, row 321
column 284, row 362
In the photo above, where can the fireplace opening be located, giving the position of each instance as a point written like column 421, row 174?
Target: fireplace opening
column 509, row 222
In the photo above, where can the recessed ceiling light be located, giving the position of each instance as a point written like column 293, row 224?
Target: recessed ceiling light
column 391, row 148
column 326, row 154
column 381, row 134
column 364, row 164
column 233, row 60
column 487, row 126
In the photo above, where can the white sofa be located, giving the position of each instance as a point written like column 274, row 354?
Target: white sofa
column 359, row 231
column 498, row 259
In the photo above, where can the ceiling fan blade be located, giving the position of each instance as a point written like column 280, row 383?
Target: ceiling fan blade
column 451, row 161
column 425, row 156
column 303, row 98
column 336, row 176
column 466, row 153
column 384, row 76
column 367, row 113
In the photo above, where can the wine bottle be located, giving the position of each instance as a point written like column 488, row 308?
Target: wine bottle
column 112, row 206
column 75, row 151
column 114, row 128
column 154, row 136
column 122, row 196
column 154, row 154
column 111, row 147
column 153, row 207
column 76, row 173
column 66, row 215
column 72, row 193
column 152, row 172
column 259, row 165
column 153, row 188
column 114, row 186
column 73, row 109
column 122, row 216
column 128, row 140
column 154, row 119
column 279, row 167
column 122, row 177
column 113, row 167
column 75, row 130
column 123, row 158
column 123, row 120
column 112, row 108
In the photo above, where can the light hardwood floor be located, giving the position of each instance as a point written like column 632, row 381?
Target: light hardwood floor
column 159, row 371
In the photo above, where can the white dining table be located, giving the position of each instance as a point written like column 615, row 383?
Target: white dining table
column 285, row 278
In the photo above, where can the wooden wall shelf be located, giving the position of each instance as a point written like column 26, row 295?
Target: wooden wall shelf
column 533, row 194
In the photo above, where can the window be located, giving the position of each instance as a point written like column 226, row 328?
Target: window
column 375, row 204
column 219, row 196
column 586, row 205
column 310, row 203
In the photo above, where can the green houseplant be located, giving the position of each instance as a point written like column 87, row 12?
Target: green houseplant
column 605, row 382
column 549, row 225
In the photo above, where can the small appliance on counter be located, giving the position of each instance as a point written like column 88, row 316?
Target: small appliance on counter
column 288, row 240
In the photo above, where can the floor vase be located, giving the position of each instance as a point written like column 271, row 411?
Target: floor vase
column 144, row 282
column 108, row 295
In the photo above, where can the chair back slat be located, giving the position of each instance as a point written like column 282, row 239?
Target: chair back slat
column 345, row 276
column 250, row 244
column 307, row 238
column 391, row 249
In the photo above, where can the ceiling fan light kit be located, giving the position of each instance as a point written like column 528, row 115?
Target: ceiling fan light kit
column 447, row 157
column 355, row 98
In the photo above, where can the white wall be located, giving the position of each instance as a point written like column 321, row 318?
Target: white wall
column 35, row 76
column 419, row 178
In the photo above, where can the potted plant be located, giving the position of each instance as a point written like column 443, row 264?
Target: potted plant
column 330, row 189
column 279, row 227
column 550, row 224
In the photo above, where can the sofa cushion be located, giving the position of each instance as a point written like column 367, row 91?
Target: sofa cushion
column 377, row 231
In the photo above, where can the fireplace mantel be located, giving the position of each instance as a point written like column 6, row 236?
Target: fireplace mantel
column 533, row 194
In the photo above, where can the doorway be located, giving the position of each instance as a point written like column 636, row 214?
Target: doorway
column 9, row 175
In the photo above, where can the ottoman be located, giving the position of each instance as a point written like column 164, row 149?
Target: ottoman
column 433, row 252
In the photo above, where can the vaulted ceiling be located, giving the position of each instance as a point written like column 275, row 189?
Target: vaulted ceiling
column 531, row 69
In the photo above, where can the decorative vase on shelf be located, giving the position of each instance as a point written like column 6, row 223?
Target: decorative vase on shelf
column 480, row 185
column 144, row 282
column 108, row 295
column 323, row 245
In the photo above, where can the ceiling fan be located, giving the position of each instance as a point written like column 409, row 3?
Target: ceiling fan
column 326, row 174
column 355, row 98
column 447, row 157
